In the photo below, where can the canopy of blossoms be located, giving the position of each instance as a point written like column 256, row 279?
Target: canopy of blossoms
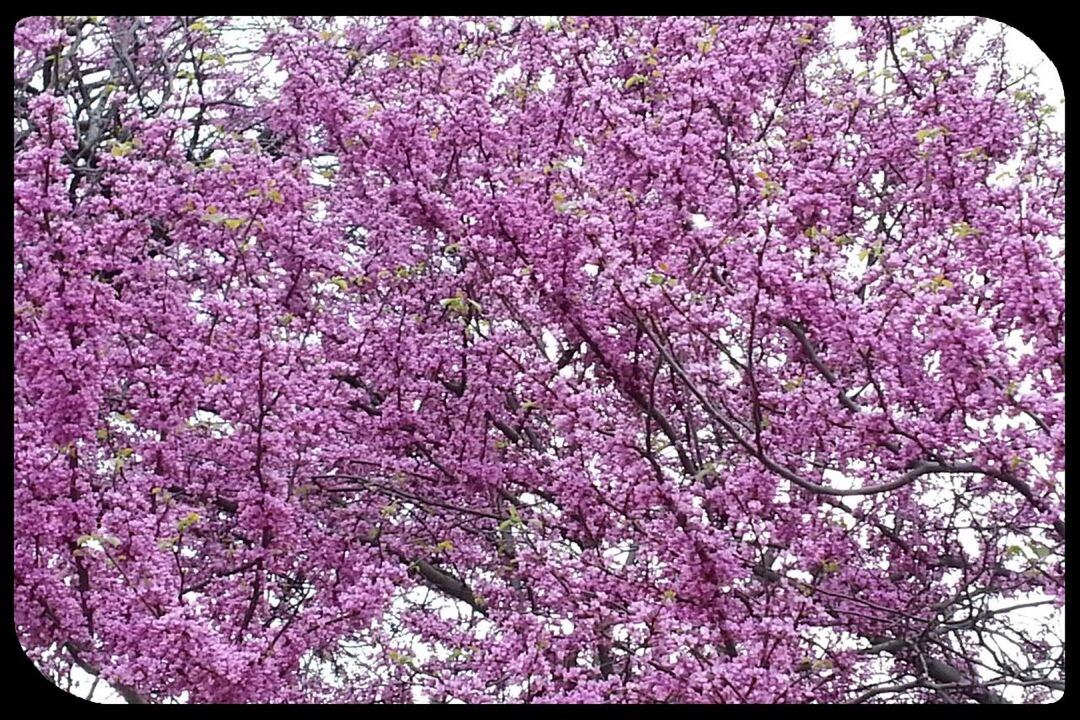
column 537, row 360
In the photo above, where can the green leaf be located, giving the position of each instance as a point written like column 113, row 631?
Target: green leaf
column 455, row 304
column 559, row 201
column 1040, row 550
column 399, row 658
column 962, row 230
column 928, row 134
column 234, row 222
column 940, row 281
column 708, row 470
column 187, row 521
column 635, row 80
column 874, row 251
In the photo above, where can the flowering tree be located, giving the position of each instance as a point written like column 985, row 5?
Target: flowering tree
column 598, row 359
